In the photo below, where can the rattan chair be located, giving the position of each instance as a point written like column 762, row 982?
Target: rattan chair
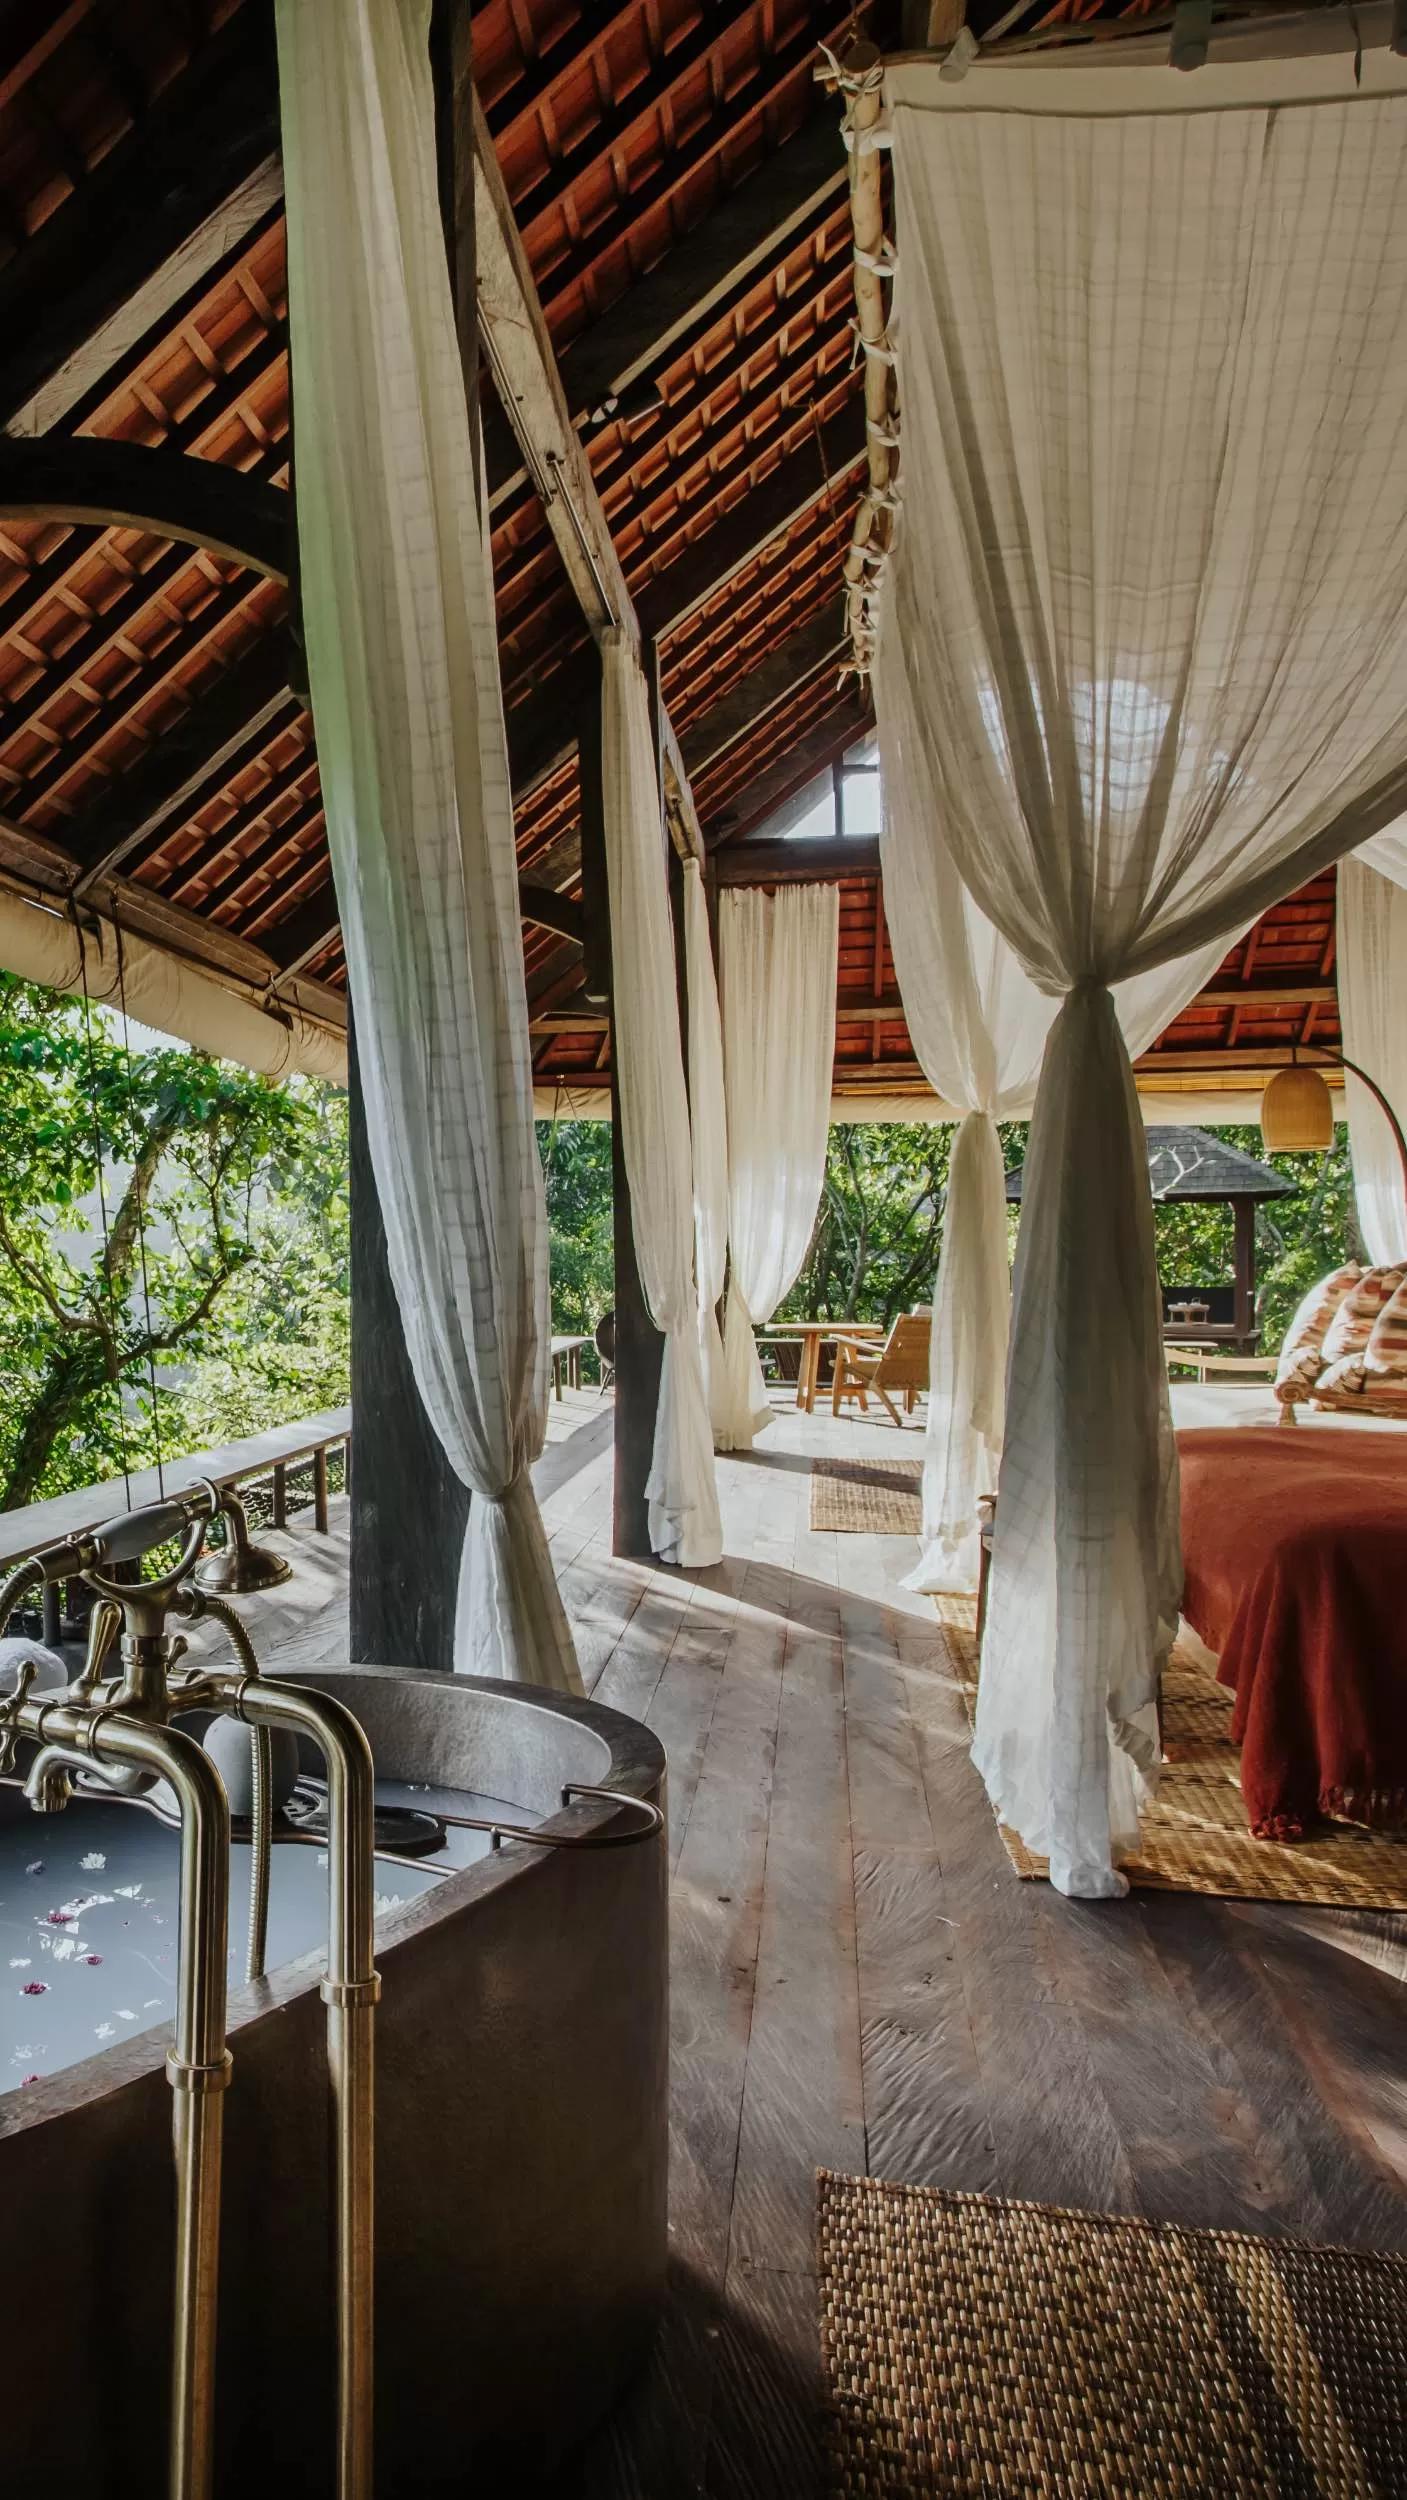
column 899, row 1365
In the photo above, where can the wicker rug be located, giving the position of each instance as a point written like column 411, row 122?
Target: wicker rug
column 867, row 1496
column 1195, row 1837
column 974, row 2346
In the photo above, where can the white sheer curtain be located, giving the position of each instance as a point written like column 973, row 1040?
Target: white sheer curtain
column 403, row 660
column 682, row 1490
column 1372, row 979
column 979, row 1028
column 708, row 1115
column 777, row 956
column 1152, row 600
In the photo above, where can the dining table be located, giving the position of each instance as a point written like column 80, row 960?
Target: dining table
column 813, row 1334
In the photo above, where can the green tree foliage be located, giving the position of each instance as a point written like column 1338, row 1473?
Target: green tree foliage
column 879, row 1228
column 282, row 1348
column 187, row 1238
column 576, row 1163
column 216, row 1256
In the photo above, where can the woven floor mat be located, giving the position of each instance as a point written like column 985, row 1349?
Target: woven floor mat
column 867, row 1496
column 1194, row 1836
column 970, row 2345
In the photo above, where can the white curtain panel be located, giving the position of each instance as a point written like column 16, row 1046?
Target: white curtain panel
column 682, row 1490
column 1151, row 595
column 979, row 1028
column 1372, row 979
column 708, row 1114
column 777, row 958
column 403, row 661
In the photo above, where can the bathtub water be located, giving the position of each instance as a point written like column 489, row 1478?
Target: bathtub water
column 88, row 1916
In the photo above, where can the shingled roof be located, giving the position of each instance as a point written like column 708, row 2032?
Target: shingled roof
column 1189, row 1163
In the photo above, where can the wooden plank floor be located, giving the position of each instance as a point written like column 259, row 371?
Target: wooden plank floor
column 860, row 1981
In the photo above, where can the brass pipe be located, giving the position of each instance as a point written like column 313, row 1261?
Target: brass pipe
column 205, row 1602
column 198, row 2061
column 349, row 1991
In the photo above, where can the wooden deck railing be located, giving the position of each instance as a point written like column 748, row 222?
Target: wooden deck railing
column 264, row 1454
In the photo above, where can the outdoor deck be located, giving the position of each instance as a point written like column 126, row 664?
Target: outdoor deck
column 861, row 1982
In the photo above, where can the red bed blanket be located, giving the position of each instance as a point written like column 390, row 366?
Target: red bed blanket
column 1295, row 1548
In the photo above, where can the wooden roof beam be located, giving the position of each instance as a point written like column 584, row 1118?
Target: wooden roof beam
column 162, row 186
column 99, row 484
column 665, row 311
column 518, row 352
column 824, row 860
column 299, row 939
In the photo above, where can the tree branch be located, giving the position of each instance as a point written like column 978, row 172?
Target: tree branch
column 34, row 1277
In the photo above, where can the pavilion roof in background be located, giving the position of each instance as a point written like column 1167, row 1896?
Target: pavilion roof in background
column 679, row 184
column 1189, row 1165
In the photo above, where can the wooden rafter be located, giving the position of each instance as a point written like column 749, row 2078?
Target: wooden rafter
column 108, row 485
column 200, row 139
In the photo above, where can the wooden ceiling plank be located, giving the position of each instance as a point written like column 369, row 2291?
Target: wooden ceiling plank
column 217, row 738
column 113, row 709
column 760, row 516
column 206, row 134
column 711, row 269
column 109, row 362
column 814, row 645
column 819, row 746
column 224, row 871
column 793, row 59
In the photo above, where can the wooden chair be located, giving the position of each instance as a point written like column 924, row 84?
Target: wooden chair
column 899, row 1365
column 603, row 1337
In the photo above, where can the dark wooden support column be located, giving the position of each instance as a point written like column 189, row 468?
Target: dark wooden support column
column 409, row 1509
column 1245, row 1214
column 639, row 1345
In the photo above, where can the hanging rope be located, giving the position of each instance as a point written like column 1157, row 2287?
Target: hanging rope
column 114, row 1364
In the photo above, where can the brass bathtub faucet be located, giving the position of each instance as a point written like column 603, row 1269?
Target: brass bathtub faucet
column 116, row 1734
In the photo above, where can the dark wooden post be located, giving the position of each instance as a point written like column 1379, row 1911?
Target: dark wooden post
column 639, row 1345
column 1245, row 1214
column 409, row 1509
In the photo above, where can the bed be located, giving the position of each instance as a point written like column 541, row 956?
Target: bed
column 1295, row 1550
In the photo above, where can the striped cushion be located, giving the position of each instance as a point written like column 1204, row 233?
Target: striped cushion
column 1301, row 1350
column 1385, row 1356
column 1344, row 1385
column 1352, row 1325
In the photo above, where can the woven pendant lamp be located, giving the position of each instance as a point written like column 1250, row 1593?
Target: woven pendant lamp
column 1297, row 1112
